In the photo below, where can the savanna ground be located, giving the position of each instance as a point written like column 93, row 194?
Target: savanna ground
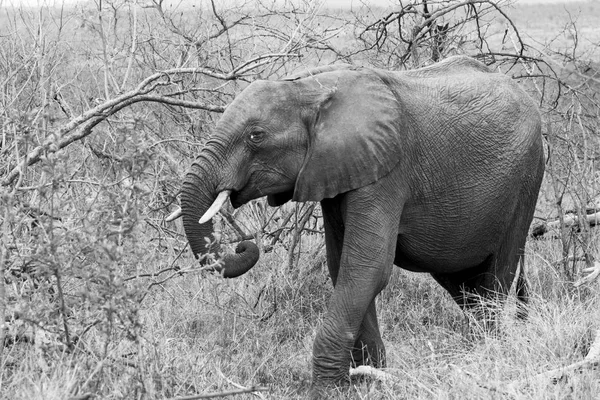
column 104, row 104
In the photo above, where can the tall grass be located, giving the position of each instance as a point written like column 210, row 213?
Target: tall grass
column 203, row 334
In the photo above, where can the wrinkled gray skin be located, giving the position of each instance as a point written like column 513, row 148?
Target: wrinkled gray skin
column 434, row 170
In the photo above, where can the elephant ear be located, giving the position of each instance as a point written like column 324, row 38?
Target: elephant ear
column 354, row 132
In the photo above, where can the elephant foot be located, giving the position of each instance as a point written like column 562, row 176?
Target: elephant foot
column 329, row 380
column 327, row 392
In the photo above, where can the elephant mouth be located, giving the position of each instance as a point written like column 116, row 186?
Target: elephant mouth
column 240, row 197
column 236, row 199
column 276, row 197
column 278, row 187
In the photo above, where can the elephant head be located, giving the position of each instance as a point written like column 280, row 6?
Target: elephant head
column 301, row 138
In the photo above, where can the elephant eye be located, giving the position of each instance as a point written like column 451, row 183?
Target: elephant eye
column 256, row 135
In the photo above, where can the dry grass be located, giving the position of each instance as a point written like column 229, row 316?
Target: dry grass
column 205, row 334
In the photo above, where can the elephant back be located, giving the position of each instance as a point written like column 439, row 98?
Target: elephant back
column 317, row 70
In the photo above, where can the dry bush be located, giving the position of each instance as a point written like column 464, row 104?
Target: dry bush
column 103, row 107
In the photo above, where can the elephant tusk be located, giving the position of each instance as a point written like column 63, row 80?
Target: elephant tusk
column 216, row 206
column 174, row 215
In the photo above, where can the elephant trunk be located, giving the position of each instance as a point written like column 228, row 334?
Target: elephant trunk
column 197, row 195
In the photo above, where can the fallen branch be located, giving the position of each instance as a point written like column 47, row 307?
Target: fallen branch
column 592, row 219
column 251, row 389
column 591, row 360
column 237, row 385
column 556, row 374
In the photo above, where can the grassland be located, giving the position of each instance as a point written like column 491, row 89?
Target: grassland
column 102, row 299
column 203, row 334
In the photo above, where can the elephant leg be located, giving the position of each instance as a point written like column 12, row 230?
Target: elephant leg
column 365, row 265
column 512, row 254
column 471, row 293
column 522, row 292
column 369, row 348
column 334, row 235
column 482, row 290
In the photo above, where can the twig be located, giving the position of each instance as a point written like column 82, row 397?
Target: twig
column 297, row 232
column 591, row 360
column 239, row 232
column 62, row 307
column 237, row 385
column 279, row 231
column 162, row 271
column 6, row 199
column 226, row 393
column 593, row 274
column 421, row 30
column 132, row 49
column 104, row 50
column 85, row 396
column 180, row 272
column 594, row 353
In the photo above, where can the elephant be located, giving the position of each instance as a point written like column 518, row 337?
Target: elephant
column 433, row 170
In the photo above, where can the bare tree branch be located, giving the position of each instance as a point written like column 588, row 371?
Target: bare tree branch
column 84, row 123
